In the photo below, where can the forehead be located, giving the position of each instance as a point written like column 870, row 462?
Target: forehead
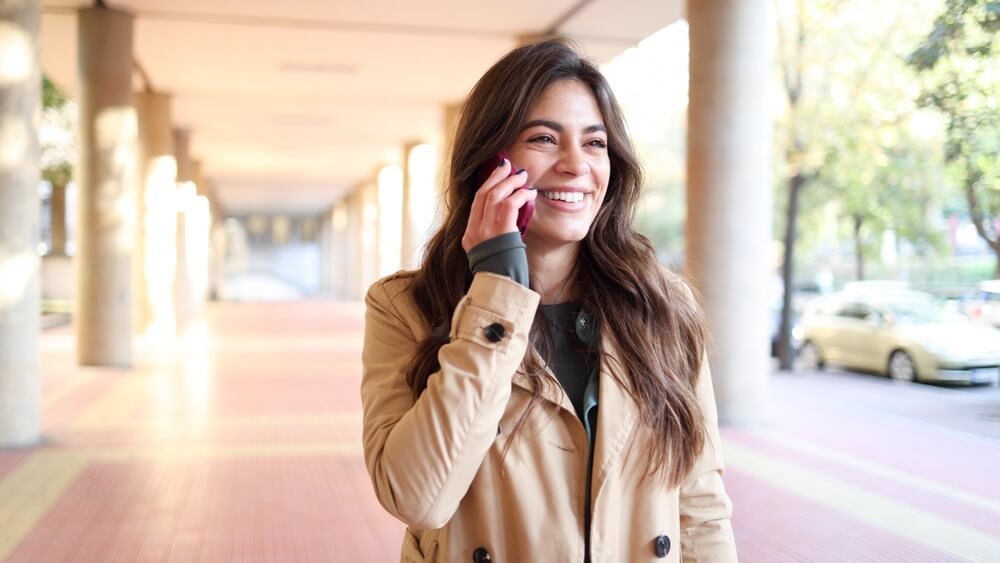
column 568, row 101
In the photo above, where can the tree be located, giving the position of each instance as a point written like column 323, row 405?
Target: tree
column 845, row 130
column 883, row 177
column 801, row 163
column 958, row 62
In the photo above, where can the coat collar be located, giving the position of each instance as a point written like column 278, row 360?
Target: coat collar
column 551, row 391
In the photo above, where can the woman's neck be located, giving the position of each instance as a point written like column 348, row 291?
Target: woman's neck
column 552, row 270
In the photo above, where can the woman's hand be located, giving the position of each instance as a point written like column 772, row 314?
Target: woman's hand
column 494, row 209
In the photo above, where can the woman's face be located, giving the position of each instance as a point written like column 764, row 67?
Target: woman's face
column 563, row 146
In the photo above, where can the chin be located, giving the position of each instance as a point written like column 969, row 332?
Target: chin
column 551, row 235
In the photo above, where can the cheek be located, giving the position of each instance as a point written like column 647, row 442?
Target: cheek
column 599, row 201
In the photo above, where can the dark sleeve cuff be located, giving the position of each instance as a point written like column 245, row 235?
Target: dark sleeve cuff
column 503, row 255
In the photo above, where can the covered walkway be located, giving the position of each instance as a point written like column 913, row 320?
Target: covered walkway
column 243, row 444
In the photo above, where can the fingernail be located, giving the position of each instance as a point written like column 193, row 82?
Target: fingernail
column 519, row 171
column 501, row 163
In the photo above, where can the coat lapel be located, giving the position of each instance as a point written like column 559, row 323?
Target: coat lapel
column 617, row 416
column 552, row 391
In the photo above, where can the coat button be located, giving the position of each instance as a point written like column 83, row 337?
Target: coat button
column 480, row 555
column 586, row 328
column 495, row 332
column 662, row 546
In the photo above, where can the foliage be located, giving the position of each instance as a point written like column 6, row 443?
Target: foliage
column 867, row 148
column 847, row 123
column 52, row 97
column 56, row 135
column 960, row 68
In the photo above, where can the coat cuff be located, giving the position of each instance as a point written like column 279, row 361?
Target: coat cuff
column 493, row 299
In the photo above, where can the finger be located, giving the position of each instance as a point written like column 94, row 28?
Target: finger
column 479, row 201
column 507, row 210
column 502, row 190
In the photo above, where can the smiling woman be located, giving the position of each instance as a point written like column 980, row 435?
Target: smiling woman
column 552, row 381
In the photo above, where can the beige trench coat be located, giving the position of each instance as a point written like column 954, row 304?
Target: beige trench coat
column 436, row 463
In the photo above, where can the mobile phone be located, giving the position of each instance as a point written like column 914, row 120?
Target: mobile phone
column 528, row 209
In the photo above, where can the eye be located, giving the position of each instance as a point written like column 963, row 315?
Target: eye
column 597, row 143
column 542, row 139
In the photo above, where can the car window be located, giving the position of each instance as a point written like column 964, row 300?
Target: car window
column 857, row 311
column 919, row 311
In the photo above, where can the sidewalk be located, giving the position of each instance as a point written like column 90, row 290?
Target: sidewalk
column 244, row 445
column 854, row 467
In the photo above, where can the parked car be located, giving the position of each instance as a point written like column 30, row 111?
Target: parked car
column 907, row 335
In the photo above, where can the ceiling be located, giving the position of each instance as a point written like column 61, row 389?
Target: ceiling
column 294, row 103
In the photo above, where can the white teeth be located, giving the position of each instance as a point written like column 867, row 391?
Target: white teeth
column 569, row 197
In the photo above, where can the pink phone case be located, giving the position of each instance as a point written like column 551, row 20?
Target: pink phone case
column 528, row 209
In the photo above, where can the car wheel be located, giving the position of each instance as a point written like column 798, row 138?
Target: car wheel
column 809, row 357
column 901, row 367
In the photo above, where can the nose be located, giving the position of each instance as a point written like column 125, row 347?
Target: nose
column 572, row 161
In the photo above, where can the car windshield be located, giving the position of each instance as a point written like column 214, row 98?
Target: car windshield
column 919, row 310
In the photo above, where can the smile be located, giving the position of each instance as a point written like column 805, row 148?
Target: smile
column 568, row 197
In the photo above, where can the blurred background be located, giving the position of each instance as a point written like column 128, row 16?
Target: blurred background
column 196, row 195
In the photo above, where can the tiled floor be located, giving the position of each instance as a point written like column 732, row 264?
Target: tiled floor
column 241, row 442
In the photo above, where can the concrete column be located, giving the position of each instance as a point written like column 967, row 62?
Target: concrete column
column 106, row 181
column 389, row 211
column 155, row 249
column 185, row 300
column 20, row 101
column 185, row 294
column 420, row 199
column 202, row 235
column 355, row 269
column 729, row 198
column 408, row 234
column 182, row 153
column 217, row 252
column 197, row 176
column 57, row 220
column 452, row 113
column 371, row 231
column 325, row 253
column 340, row 241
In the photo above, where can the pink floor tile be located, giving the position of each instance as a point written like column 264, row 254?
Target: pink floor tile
column 773, row 526
column 296, row 508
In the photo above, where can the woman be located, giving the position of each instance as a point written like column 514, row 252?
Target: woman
column 545, row 400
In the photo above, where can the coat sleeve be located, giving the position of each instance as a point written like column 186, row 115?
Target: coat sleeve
column 423, row 455
column 705, row 508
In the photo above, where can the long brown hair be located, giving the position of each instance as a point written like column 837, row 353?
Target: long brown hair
column 653, row 323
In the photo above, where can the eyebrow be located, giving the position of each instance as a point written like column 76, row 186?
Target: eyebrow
column 558, row 127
